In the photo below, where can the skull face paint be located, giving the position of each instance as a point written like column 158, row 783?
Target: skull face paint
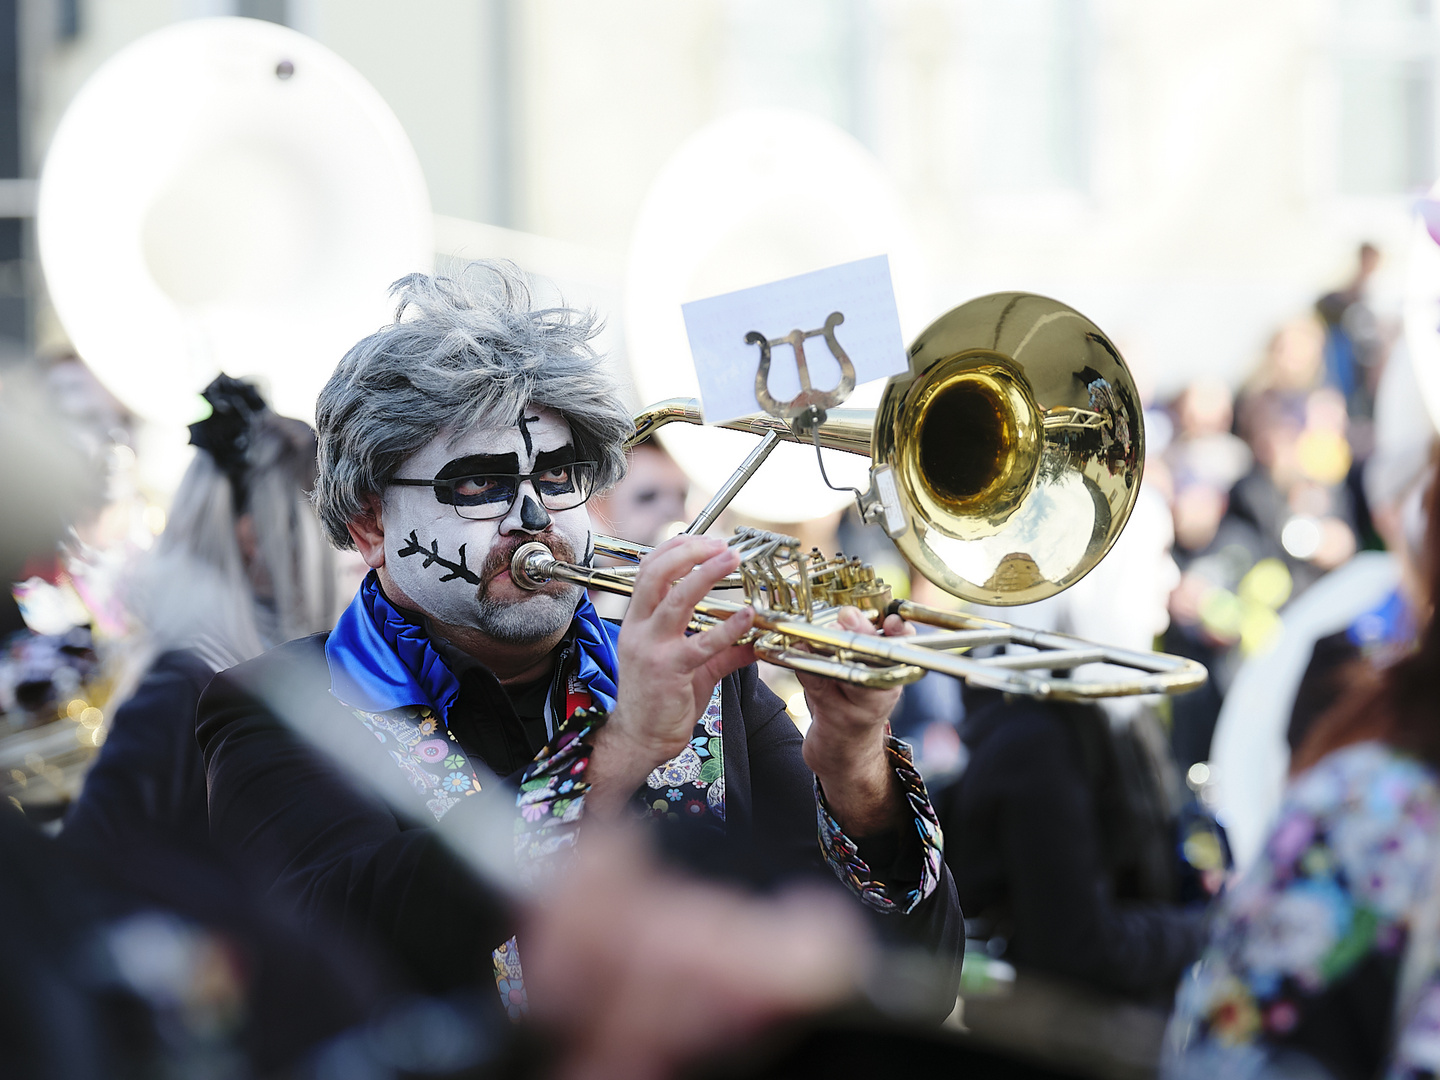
column 457, row 570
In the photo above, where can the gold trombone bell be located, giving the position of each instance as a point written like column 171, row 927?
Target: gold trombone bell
column 1015, row 441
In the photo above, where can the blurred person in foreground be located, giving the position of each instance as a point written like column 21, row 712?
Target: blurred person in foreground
column 471, row 425
column 1321, row 959
column 240, row 567
column 1062, row 829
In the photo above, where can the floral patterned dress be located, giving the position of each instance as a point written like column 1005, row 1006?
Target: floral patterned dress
column 1306, row 950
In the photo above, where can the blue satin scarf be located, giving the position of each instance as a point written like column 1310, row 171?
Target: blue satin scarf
column 380, row 660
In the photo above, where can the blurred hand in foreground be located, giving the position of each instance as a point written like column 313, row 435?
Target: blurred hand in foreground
column 641, row 971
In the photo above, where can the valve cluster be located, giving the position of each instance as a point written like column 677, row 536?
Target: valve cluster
column 839, row 581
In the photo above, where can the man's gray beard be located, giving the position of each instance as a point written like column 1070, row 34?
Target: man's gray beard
column 526, row 621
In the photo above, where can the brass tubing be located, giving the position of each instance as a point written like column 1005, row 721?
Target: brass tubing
column 1167, row 674
column 960, row 639
column 738, row 479
column 615, row 548
column 949, row 620
column 847, row 430
column 817, row 664
column 1050, row 659
column 533, row 564
column 536, row 565
column 900, row 651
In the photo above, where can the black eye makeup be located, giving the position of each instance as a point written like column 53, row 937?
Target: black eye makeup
column 475, row 464
column 485, row 486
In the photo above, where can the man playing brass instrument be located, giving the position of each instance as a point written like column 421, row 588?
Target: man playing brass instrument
column 469, row 426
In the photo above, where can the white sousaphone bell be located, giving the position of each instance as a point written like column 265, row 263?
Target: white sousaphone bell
column 226, row 194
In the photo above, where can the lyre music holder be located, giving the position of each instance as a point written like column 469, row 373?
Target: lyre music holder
column 807, row 408
column 805, row 412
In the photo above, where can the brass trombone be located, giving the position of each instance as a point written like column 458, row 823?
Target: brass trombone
column 1005, row 463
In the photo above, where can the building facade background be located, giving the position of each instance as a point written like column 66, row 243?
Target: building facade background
column 1189, row 175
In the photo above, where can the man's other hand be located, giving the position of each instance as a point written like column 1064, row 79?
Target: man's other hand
column 845, row 746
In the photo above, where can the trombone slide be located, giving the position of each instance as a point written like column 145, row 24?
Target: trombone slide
column 875, row 661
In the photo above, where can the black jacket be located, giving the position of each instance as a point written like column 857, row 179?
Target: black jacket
column 1035, row 838
column 148, row 780
column 346, row 857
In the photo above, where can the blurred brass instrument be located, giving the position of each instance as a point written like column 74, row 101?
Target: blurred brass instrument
column 1005, row 463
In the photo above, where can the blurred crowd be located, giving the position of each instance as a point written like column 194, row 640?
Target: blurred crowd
column 1268, row 487
column 1087, row 842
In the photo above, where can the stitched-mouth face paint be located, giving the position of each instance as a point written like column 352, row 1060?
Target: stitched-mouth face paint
column 457, row 570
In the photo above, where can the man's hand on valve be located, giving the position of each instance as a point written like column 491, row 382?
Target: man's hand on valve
column 845, row 746
column 666, row 675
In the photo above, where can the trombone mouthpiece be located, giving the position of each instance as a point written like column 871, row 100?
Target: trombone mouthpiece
column 526, row 562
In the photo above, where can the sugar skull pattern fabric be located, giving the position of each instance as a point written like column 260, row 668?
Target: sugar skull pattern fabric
column 692, row 784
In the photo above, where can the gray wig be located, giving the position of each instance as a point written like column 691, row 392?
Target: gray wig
column 462, row 351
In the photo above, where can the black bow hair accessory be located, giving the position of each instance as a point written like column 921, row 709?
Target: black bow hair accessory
column 226, row 434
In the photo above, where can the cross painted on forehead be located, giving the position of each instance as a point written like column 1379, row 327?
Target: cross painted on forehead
column 524, row 424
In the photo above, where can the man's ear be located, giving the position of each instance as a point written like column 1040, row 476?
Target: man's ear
column 367, row 529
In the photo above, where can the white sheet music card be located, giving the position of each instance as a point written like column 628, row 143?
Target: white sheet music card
column 783, row 312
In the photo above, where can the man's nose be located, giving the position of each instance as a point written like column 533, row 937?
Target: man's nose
column 526, row 514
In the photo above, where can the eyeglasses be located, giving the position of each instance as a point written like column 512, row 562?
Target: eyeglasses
column 491, row 495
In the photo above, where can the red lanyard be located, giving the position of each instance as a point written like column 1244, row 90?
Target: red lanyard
column 577, row 695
